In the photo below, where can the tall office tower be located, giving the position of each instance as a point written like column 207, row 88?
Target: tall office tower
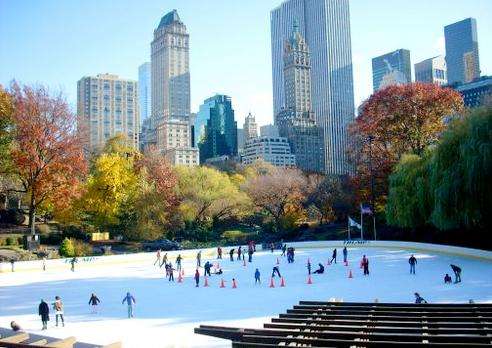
column 462, row 51
column 170, row 79
column 432, row 70
column 250, row 127
column 240, row 141
column 296, row 120
column 391, row 69
column 106, row 106
column 220, row 136
column 325, row 25
column 144, row 97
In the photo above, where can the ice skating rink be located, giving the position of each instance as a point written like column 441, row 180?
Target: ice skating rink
column 166, row 313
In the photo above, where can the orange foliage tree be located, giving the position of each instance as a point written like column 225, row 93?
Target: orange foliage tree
column 396, row 120
column 47, row 154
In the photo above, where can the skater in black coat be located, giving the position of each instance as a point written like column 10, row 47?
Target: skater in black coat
column 44, row 312
column 276, row 271
column 345, row 253
column 320, row 270
column 457, row 273
column 412, row 261
column 207, row 268
column 94, row 301
column 334, row 256
column 231, row 254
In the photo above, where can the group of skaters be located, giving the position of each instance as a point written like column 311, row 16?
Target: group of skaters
column 44, row 312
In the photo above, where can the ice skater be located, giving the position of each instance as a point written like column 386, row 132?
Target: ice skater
column 320, row 270
column 73, row 261
column 257, row 277
column 284, row 249
column 178, row 262
column 170, row 271
column 197, row 278
column 250, row 254
column 164, row 260
column 158, row 257
column 290, row 255
column 44, row 312
column 447, row 279
column 94, row 302
column 412, row 261
column 345, row 254
column 239, row 251
column 219, row 253
column 276, row 271
column 15, row 327
column 44, row 263
column 309, row 267
column 231, row 254
column 130, row 302
column 419, row 299
column 457, row 273
column 334, row 256
column 199, row 259
column 207, row 268
column 58, row 307
column 365, row 265
column 12, row 265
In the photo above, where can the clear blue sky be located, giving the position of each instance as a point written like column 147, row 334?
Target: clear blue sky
column 56, row 42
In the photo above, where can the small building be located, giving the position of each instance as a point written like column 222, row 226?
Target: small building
column 274, row 150
column 476, row 92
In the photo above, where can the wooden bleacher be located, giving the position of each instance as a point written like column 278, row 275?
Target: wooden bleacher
column 338, row 324
column 11, row 339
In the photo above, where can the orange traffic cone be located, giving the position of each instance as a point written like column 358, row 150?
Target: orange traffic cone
column 222, row 283
column 350, row 274
column 309, row 281
column 272, row 283
column 206, row 282
column 278, row 262
column 282, row 282
column 234, row 285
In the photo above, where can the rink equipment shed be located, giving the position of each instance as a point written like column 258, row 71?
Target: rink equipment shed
column 339, row 324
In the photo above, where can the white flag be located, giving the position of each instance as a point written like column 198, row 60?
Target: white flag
column 354, row 223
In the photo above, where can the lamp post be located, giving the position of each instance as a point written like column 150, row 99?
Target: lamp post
column 371, row 138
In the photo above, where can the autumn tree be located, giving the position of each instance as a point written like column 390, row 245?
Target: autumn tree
column 6, row 110
column 47, row 157
column 277, row 192
column 396, row 120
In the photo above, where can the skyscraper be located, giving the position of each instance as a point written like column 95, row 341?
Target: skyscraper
column 432, row 70
column 144, row 97
column 250, row 127
column 106, row 106
column 392, row 68
column 325, row 26
column 462, row 51
column 296, row 120
column 170, row 78
column 220, row 136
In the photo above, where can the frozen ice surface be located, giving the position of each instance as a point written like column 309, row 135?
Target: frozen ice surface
column 166, row 313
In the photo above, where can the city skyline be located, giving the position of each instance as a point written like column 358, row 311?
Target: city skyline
column 249, row 86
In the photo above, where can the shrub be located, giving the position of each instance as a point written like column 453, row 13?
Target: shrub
column 67, row 248
column 81, row 248
column 11, row 241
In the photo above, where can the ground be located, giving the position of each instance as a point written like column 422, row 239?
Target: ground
column 166, row 313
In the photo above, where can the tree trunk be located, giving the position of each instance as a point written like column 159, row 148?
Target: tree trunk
column 32, row 215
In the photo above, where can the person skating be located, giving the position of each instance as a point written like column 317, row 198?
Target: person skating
column 250, row 255
column 257, row 277
column 130, row 302
column 320, row 270
column 419, row 299
column 345, row 254
column 412, row 261
column 219, row 271
column 207, row 268
column 199, row 259
column 309, row 267
column 219, row 253
column 290, row 255
column 334, row 256
column 158, row 257
column 164, row 260
column 12, row 265
column 231, row 254
column 239, row 251
column 276, row 271
column 365, row 265
column 447, row 279
column 178, row 262
column 73, row 261
column 93, row 302
column 457, row 273
column 44, row 312
column 58, row 307
column 170, row 270
column 44, row 263
column 197, row 278
column 284, row 249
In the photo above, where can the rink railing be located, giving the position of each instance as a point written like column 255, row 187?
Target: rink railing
column 208, row 253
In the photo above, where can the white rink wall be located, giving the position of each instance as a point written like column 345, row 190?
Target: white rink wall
column 90, row 261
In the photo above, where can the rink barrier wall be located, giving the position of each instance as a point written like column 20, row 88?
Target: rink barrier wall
column 208, row 253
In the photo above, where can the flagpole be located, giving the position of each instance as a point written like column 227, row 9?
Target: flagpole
column 374, row 224
column 361, row 223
